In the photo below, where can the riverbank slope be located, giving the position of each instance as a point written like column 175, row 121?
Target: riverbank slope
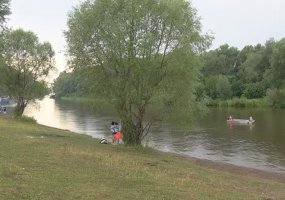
column 38, row 162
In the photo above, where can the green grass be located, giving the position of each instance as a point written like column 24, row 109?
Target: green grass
column 38, row 162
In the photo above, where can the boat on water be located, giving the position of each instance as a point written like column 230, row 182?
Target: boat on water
column 241, row 121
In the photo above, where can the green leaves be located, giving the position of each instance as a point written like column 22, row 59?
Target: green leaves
column 138, row 50
column 278, row 63
column 250, row 71
column 26, row 64
column 4, row 11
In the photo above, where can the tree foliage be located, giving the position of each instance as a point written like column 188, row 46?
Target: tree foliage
column 218, row 87
column 223, row 87
column 26, row 64
column 278, row 64
column 250, row 71
column 138, row 51
column 4, row 12
column 65, row 84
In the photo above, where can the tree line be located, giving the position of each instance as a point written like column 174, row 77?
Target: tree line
column 252, row 72
column 225, row 73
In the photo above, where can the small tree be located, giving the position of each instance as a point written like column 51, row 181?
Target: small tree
column 26, row 64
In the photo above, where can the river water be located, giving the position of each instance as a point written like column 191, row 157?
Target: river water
column 261, row 146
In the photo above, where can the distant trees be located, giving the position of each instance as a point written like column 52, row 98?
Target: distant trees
column 277, row 75
column 66, row 84
column 220, row 61
column 25, row 64
column 138, row 52
column 252, row 72
column 278, row 64
column 218, row 87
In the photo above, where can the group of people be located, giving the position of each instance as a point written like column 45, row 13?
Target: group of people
column 230, row 118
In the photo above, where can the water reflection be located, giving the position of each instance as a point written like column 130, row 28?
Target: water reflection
column 261, row 146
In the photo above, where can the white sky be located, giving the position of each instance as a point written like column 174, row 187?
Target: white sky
column 47, row 19
column 242, row 22
column 236, row 22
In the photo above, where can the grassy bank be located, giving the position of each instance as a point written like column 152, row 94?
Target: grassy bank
column 38, row 162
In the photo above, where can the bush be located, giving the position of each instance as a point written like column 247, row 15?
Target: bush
column 254, row 90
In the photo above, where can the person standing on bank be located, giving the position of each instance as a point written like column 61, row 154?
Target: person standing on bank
column 113, row 130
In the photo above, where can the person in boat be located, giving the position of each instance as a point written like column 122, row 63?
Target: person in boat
column 230, row 118
column 251, row 119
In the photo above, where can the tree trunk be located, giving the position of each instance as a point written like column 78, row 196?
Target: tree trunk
column 133, row 131
column 130, row 133
column 21, row 105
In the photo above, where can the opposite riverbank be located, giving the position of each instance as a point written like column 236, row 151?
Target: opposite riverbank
column 39, row 162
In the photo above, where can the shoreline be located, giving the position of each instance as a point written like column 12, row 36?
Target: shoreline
column 216, row 165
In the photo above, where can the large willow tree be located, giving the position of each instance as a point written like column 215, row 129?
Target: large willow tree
column 139, row 52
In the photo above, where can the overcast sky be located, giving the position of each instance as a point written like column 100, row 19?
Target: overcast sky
column 242, row 22
column 236, row 22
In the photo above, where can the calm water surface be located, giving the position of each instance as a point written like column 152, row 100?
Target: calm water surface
column 261, row 146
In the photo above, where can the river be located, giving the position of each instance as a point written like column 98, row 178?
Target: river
column 261, row 146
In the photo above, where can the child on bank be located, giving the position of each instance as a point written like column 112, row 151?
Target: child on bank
column 114, row 130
